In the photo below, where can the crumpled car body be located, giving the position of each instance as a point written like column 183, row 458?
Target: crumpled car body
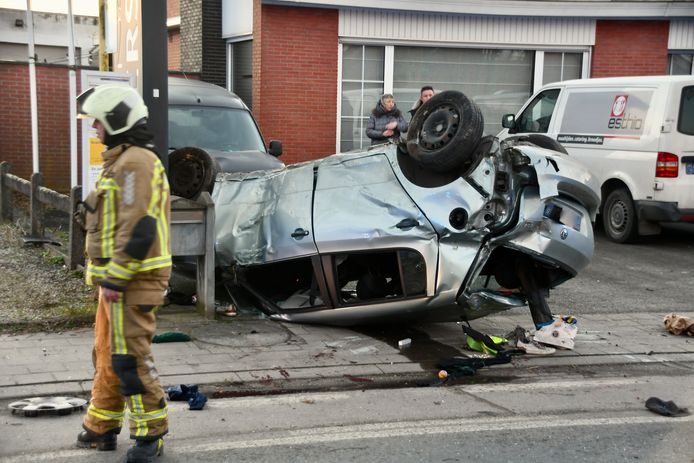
column 370, row 237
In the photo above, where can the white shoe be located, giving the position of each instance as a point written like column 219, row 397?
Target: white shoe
column 535, row 348
column 558, row 334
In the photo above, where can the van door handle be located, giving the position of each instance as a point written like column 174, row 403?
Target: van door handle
column 299, row 233
column 407, row 223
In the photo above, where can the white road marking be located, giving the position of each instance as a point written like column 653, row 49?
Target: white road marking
column 249, row 402
column 422, row 428
column 542, row 385
column 312, row 436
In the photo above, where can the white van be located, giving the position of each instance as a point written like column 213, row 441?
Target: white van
column 636, row 135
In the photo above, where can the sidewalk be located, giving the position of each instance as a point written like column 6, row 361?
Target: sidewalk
column 251, row 355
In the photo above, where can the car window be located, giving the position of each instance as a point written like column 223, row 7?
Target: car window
column 213, row 128
column 536, row 117
column 686, row 119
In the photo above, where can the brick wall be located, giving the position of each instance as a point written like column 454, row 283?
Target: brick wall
column 191, row 35
column 630, row 48
column 173, row 8
column 295, row 78
column 174, row 50
column 53, row 122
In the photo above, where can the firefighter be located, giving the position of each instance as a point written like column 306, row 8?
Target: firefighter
column 129, row 259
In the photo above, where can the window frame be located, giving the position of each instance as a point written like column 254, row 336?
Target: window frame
column 536, row 83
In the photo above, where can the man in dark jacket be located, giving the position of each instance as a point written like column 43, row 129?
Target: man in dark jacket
column 424, row 95
column 386, row 122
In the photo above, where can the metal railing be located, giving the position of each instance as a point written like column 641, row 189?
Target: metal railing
column 192, row 227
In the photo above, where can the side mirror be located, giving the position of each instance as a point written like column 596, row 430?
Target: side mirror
column 275, row 148
column 508, row 121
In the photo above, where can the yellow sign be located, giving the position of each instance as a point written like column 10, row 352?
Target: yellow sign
column 95, row 150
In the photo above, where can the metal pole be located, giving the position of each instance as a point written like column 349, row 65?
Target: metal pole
column 72, row 84
column 103, row 56
column 32, row 91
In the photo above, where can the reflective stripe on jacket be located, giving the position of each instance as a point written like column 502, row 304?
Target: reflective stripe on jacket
column 128, row 224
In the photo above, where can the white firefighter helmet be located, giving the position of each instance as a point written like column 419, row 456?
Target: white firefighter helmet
column 117, row 107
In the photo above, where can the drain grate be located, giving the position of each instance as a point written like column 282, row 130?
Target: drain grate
column 47, row 405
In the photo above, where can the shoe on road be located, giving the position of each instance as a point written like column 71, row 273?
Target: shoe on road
column 107, row 441
column 145, row 451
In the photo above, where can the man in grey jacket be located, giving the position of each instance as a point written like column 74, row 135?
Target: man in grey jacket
column 386, row 122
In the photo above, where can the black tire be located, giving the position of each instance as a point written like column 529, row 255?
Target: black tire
column 191, row 171
column 445, row 131
column 619, row 217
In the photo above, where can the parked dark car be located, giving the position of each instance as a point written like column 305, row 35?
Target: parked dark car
column 211, row 130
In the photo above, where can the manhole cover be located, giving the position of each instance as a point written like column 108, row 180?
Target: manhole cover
column 41, row 405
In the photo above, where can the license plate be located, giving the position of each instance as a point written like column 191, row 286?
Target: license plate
column 689, row 168
column 571, row 218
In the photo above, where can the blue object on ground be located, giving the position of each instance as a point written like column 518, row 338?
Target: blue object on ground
column 197, row 401
column 182, row 392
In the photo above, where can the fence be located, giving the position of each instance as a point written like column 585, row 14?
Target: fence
column 40, row 198
column 192, row 227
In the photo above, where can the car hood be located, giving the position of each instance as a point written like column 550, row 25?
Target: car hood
column 245, row 161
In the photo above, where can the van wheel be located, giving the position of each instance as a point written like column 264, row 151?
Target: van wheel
column 619, row 217
column 192, row 171
column 444, row 132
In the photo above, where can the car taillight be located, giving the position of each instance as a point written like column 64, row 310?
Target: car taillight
column 667, row 165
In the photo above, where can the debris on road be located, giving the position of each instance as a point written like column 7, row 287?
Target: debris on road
column 47, row 405
column 679, row 324
column 187, row 392
column 665, row 408
column 404, row 343
column 560, row 333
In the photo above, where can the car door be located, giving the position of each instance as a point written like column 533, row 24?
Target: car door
column 375, row 243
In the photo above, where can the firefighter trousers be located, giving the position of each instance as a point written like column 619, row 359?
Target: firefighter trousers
column 125, row 374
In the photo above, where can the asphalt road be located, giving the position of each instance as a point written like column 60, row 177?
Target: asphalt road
column 566, row 416
column 654, row 275
column 567, row 419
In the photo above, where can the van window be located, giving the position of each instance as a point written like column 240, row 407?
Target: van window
column 686, row 119
column 213, row 128
column 536, row 117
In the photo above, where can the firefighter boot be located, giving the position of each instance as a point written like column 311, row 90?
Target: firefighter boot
column 107, row 441
column 144, row 451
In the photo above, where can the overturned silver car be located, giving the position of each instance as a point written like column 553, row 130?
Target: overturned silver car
column 447, row 226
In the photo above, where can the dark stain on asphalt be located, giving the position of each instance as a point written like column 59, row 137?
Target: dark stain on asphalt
column 423, row 349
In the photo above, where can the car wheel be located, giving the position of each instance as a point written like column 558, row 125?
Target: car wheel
column 191, row 171
column 619, row 217
column 445, row 131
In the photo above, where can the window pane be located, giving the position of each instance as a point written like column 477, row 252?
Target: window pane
column 573, row 62
column 561, row 66
column 680, row 65
column 686, row 119
column 242, row 71
column 537, row 116
column 552, row 68
column 352, row 61
column 499, row 81
column 353, row 132
column 372, row 93
column 362, row 85
column 373, row 63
